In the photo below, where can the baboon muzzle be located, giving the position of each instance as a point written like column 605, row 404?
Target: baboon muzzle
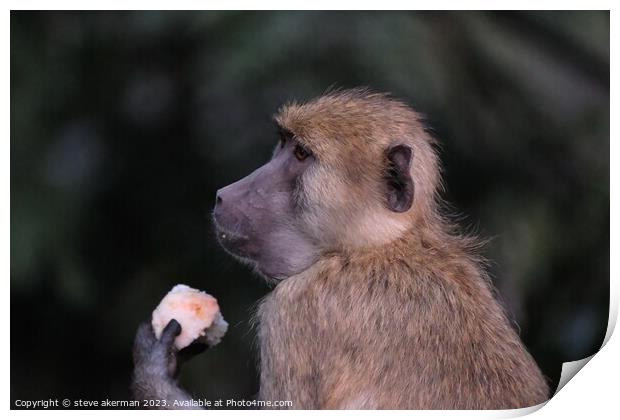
column 246, row 210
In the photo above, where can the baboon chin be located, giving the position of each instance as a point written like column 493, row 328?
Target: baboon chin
column 380, row 303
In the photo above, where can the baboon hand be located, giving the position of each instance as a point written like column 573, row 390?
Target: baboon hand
column 161, row 358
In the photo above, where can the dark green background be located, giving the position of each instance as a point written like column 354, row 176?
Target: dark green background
column 124, row 124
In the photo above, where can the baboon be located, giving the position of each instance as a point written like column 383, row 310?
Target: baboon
column 379, row 302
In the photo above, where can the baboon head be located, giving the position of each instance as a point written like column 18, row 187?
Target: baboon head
column 351, row 169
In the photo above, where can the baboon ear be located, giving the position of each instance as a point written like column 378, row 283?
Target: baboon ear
column 398, row 179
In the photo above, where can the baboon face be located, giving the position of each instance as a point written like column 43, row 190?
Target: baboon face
column 328, row 186
column 258, row 217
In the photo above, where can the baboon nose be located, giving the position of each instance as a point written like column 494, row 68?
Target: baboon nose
column 219, row 203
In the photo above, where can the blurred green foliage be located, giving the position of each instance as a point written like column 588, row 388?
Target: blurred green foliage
column 124, row 124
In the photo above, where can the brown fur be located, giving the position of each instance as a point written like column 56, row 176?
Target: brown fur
column 398, row 312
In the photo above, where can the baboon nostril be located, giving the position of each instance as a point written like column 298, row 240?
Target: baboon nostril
column 218, row 200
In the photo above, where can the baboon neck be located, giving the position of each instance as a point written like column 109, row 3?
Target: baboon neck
column 421, row 238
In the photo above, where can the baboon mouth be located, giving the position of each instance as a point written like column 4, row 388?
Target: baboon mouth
column 234, row 242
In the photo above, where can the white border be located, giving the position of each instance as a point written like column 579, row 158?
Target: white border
column 310, row 5
column 593, row 393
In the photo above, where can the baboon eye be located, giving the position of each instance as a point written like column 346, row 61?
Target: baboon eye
column 300, row 152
